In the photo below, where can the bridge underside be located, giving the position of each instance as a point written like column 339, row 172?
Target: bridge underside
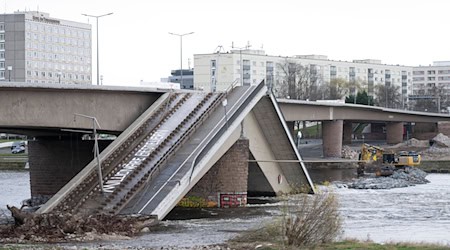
column 161, row 156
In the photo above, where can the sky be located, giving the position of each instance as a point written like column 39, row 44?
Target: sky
column 135, row 44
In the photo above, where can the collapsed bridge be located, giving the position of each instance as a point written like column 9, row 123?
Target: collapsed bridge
column 187, row 143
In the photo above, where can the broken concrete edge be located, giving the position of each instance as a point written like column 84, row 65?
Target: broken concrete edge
column 291, row 141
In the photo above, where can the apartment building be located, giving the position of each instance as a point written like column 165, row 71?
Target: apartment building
column 37, row 48
column 428, row 80
column 218, row 71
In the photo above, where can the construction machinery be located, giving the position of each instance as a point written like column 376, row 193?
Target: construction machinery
column 376, row 159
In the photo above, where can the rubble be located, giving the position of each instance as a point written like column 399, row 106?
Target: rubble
column 67, row 227
column 400, row 178
column 441, row 140
column 348, row 153
column 413, row 142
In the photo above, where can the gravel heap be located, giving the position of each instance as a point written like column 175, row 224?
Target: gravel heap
column 400, row 178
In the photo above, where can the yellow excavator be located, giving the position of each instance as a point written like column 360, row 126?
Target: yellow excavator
column 385, row 163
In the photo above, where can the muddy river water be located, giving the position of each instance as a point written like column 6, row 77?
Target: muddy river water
column 418, row 214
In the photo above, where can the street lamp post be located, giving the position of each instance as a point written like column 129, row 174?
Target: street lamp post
column 98, row 64
column 241, row 79
column 59, row 77
column 181, row 53
column 9, row 72
column 96, row 148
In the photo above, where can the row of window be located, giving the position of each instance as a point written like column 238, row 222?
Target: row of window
column 431, row 72
column 33, row 55
column 58, row 49
column 56, row 81
column 431, row 78
column 61, row 30
column 58, row 40
column 333, row 68
column 57, row 66
column 59, row 75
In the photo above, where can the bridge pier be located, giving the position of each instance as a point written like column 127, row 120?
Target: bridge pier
column 394, row 132
column 332, row 138
column 54, row 161
column 347, row 133
column 225, row 184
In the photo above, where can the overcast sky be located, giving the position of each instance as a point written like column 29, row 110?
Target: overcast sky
column 135, row 44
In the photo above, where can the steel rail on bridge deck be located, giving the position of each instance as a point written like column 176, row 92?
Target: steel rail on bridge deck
column 185, row 161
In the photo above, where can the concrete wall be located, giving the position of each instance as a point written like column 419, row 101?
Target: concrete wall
column 44, row 109
column 55, row 161
column 226, row 182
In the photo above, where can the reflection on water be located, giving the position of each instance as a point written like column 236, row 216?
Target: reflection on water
column 321, row 175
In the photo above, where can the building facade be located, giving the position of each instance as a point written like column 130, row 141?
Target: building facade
column 36, row 48
column 432, row 83
column 428, row 79
column 218, row 71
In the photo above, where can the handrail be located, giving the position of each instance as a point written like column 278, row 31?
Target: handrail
column 231, row 86
column 215, row 131
column 201, row 151
column 180, row 140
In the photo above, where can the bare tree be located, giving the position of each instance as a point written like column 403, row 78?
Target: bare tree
column 298, row 81
column 337, row 88
column 431, row 99
column 388, row 96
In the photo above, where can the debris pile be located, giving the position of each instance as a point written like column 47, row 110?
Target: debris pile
column 401, row 178
column 68, row 227
column 413, row 142
column 441, row 140
column 440, row 149
column 348, row 153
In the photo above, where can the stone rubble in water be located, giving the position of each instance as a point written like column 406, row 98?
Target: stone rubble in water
column 400, row 178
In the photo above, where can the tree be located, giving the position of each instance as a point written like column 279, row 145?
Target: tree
column 426, row 105
column 337, row 88
column 388, row 96
column 298, row 81
column 361, row 98
column 431, row 100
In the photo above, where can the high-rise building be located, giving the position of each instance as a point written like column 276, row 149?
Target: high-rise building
column 218, row 71
column 37, row 48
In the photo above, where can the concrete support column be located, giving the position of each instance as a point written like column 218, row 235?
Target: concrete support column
column 225, row 184
column 332, row 138
column 55, row 161
column 394, row 132
column 347, row 133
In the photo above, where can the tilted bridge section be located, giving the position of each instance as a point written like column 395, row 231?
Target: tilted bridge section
column 159, row 157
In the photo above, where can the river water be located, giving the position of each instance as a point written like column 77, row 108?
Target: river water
column 415, row 214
